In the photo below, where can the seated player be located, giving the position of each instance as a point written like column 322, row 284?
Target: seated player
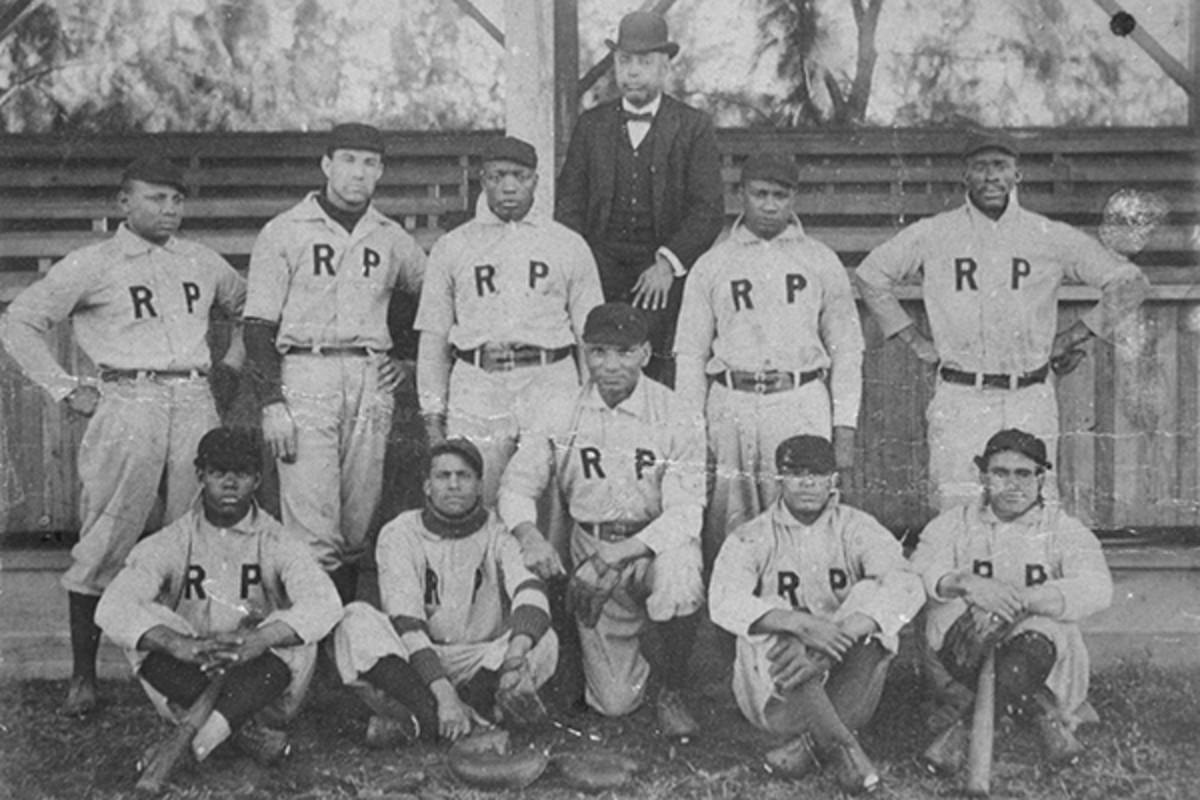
column 464, row 635
column 816, row 593
column 1011, row 571
column 224, row 589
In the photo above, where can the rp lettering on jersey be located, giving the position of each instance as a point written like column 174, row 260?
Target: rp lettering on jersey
column 537, row 277
column 326, row 260
column 787, row 585
column 742, row 291
column 1035, row 574
column 146, row 306
column 591, row 463
column 966, row 277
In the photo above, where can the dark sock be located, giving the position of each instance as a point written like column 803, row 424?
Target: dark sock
column 1022, row 665
column 85, row 634
column 178, row 681
column 253, row 686
column 677, row 636
column 480, row 692
column 345, row 578
column 396, row 678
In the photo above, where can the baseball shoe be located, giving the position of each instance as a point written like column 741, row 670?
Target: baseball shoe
column 265, row 745
column 854, row 771
column 392, row 730
column 1059, row 745
column 674, row 720
column 793, row 759
column 947, row 753
column 81, row 698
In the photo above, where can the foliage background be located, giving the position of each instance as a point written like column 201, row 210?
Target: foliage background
column 246, row 65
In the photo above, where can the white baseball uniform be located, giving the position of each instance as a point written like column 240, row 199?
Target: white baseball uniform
column 1044, row 546
column 991, row 294
column 198, row 579
column 328, row 290
column 754, row 305
column 844, row 563
column 639, row 464
column 450, row 605
column 529, row 282
column 140, row 312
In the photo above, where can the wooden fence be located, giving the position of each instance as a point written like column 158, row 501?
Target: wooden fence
column 1130, row 454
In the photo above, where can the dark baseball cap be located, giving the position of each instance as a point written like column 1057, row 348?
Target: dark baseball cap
column 355, row 136
column 618, row 324
column 773, row 167
column 234, row 449
column 461, row 447
column 643, row 32
column 979, row 141
column 805, row 454
column 1016, row 441
column 510, row 148
column 155, row 169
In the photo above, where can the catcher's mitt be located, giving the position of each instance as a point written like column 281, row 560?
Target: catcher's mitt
column 484, row 760
column 968, row 641
column 517, row 699
column 596, row 770
column 591, row 584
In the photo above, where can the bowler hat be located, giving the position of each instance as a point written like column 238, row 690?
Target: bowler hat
column 643, row 32
column 1016, row 441
column 155, row 169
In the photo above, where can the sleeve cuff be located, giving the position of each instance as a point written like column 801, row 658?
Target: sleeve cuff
column 530, row 621
column 677, row 268
column 428, row 665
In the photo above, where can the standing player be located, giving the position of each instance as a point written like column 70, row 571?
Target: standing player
column 139, row 303
column 1012, row 559
column 505, row 298
column 322, row 276
column 767, row 315
column 464, row 630
column 224, row 588
column 630, row 467
column 816, row 593
column 990, row 273
column 642, row 183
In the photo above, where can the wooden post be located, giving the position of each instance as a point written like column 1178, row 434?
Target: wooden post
column 1194, row 63
column 566, row 75
column 530, row 97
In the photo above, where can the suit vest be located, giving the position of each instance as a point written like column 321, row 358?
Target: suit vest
column 632, row 217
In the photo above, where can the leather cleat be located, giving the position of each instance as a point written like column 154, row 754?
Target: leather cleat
column 392, row 731
column 674, row 719
column 1059, row 745
column 265, row 745
column 948, row 752
column 793, row 759
column 854, row 771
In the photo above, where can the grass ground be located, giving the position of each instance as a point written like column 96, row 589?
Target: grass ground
column 1146, row 746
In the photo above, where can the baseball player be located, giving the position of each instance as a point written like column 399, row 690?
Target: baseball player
column 816, row 593
column 504, row 300
column 224, row 588
column 1014, row 558
column 767, row 278
column 322, row 275
column 990, row 272
column 139, row 302
column 630, row 468
column 464, row 626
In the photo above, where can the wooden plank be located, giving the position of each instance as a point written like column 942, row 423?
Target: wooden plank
column 1187, row 483
column 222, row 207
column 406, row 174
column 1076, row 420
column 1141, row 170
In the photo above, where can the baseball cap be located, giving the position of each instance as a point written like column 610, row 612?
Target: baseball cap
column 236, row 449
column 1016, row 441
column 461, row 447
column 643, row 32
column 978, row 141
column 811, row 454
column 510, row 148
column 355, row 136
column 773, row 167
column 618, row 324
column 155, row 169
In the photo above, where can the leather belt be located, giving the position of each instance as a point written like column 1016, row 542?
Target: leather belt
column 337, row 350
column 613, row 531
column 505, row 357
column 994, row 380
column 109, row 374
column 766, row 381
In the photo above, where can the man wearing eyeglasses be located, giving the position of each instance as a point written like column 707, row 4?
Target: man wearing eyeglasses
column 503, row 305
column 1026, row 571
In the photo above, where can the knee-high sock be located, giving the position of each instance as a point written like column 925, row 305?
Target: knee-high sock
column 856, row 685
column 671, row 663
column 396, row 678
column 85, row 634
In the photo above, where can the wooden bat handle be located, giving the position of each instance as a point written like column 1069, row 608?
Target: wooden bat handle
column 154, row 777
column 979, row 756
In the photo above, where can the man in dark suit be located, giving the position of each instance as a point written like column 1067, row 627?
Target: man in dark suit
column 642, row 183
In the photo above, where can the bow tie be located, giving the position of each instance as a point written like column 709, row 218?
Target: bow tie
column 630, row 116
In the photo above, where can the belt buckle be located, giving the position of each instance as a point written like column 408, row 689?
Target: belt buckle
column 760, row 382
column 1014, row 382
column 980, row 380
column 505, row 358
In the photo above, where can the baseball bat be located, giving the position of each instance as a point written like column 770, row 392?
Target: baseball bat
column 154, row 777
column 979, row 754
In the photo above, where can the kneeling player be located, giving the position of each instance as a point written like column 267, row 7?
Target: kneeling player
column 816, row 593
column 224, row 589
column 1012, row 572
column 446, row 650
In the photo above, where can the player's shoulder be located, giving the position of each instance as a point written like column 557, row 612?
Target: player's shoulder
column 166, row 541
column 1056, row 518
column 851, row 516
column 759, row 530
column 197, row 252
column 403, row 525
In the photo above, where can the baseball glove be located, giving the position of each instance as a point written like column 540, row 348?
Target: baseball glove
column 517, row 699
column 968, row 641
column 596, row 770
column 591, row 584
column 1065, row 362
column 484, row 760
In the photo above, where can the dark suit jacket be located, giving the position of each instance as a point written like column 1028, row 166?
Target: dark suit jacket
column 689, row 202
